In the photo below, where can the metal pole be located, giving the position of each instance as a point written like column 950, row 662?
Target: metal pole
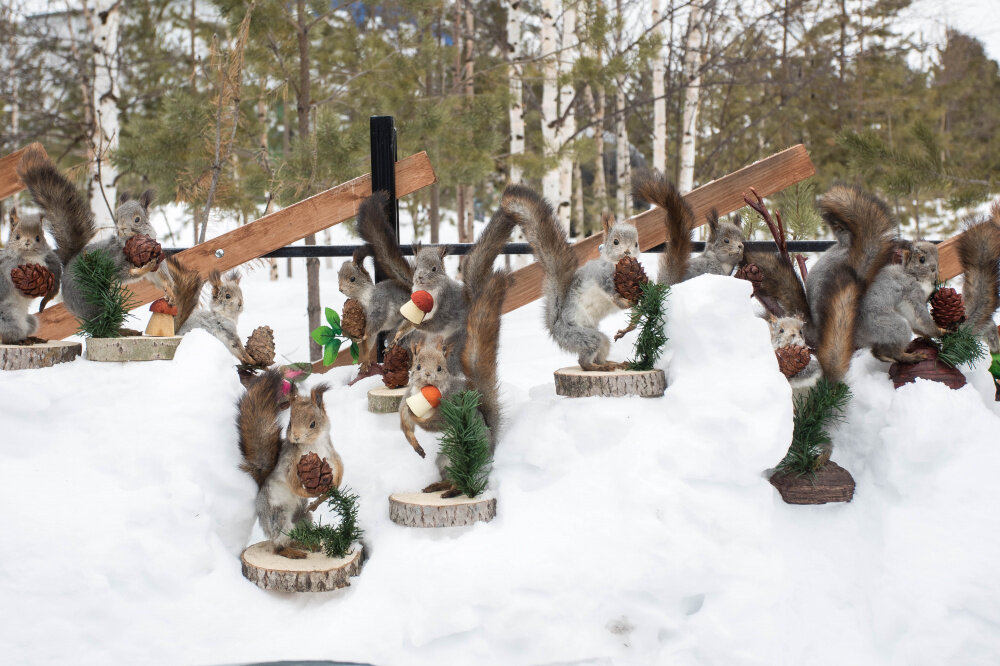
column 383, row 148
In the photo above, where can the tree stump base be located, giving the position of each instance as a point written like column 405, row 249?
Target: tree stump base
column 577, row 383
column 133, row 348
column 832, row 483
column 315, row 573
column 384, row 400
column 40, row 355
column 432, row 510
column 929, row 368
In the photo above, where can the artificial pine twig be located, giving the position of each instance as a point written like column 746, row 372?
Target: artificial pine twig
column 802, row 266
column 777, row 230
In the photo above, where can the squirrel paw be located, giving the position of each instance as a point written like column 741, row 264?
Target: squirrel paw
column 622, row 333
column 437, row 487
column 451, row 492
column 420, row 451
column 291, row 553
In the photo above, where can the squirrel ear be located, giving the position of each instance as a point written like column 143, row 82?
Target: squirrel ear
column 14, row 219
column 215, row 279
column 146, row 198
column 607, row 221
column 713, row 224
column 123, row 197
column 234, row 276
column 316, row 395
column 442, row 251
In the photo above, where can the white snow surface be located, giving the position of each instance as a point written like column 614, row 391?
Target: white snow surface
column 629, row 530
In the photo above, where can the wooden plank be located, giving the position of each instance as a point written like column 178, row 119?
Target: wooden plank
column 948, row 264
column 768, row 176
column 270, row 232
column 9, row 182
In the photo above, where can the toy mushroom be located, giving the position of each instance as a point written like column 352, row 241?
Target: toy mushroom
column 161, row 324
column 422, row 402
column 415, row 309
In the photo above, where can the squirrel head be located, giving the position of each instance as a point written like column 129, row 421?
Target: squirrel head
column 227, row 297
column 132, row 215
column 27, row 235
column 308, row 419
column 725, row 239
column 428, row 267
column 785, row 331
column 621, row 239
column 920, row 260
column 353, row 278
column 430, row 363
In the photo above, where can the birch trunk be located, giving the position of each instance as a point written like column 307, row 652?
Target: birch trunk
column 550, row 101
column 514, row 73
column 659, row 98
column 692, row 95
column 623, row 165
column 600, row 182
column 567, row 125
column 104, row 24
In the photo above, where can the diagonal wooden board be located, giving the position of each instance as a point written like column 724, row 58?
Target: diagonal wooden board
column 264, row 235
column 948, row 264
column 9, row 181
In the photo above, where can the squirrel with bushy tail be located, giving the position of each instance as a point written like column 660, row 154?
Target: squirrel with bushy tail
column 25, row 247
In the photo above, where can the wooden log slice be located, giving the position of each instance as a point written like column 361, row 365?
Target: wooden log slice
column 832, row 483
column 432, row 510
column 929, row 368
column 315, row 573
column 577, row 383
column 41, row 355
column 384, row 400
column 136, row 348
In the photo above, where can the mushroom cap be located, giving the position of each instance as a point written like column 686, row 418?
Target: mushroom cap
column 432, row 394
column 422, row 300
column 162, row 306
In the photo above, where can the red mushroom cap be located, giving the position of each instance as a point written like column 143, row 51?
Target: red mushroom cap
column 422, row 300
column 162, row 306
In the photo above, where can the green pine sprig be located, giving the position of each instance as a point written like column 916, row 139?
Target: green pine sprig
column 961, row 346
column 333, row 541
column 101, row 285
column 649, row 314
column 331, row 338
column 465, row 442
column 814, row 413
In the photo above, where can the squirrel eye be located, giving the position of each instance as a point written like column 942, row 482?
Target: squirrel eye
column 418, row 366
column 434, row 269
column 726, row 240
column 18, row 237
column 923, row 259
column 137, row 219
column 616, row 241
column 228, row 296
column 353, row 279
column 38, row 239
column 439, row 368
column 781, row 330
column 312, row 425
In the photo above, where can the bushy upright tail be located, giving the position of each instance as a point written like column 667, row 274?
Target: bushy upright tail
column 373, row 225
column 186, row 285
column 479, row 357
column 257, row 424
column 478, row 264
column 652, row 187
column 979, row 253
column 65, row 210
column 548, row 240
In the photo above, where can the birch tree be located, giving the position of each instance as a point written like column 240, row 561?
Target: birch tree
column 550, row 102
column 515, row 75
column 103, row 25
column 567, row 122
column 659, row 95
column 694, row 45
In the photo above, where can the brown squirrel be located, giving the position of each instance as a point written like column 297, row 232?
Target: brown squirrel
column 272, row 460
column 979, row 253
column 220, row 318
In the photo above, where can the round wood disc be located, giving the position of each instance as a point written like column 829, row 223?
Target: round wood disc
column 41, row 355
column 832, row 483
column 134, row 348
column 432, row 510
column 384, row 400
column 315, row 573
column 576, row 383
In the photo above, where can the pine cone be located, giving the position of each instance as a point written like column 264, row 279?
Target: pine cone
column 792, row 359
column 396, row 367
column 353, row 322
column 141, row 249
column 32, row 280
column 629, row 278
column 750, row 272
column 315, row 474
column 947, row 308
column 260, row 345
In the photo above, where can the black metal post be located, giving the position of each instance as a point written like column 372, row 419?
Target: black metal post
column 383, row 146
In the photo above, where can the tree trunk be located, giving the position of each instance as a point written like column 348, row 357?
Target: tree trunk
column 692, row 94
column 600, row 182
column 303, row 105
column 434, row 212
column 659, row 98
column 567, row 121
column 623, row 164
column 550, row 102
column 104, row 24
column 514, row 73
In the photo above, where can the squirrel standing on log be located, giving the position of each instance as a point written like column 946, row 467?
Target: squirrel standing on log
column 28, row 269
column 221, row 317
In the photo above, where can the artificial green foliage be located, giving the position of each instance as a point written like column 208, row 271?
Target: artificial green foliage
column 101, row 286
column 465, row 442
column 995, row 366
column 961, row 346
column 331, row 338
column 649, row 315
column 333, row 541
column 814, row 412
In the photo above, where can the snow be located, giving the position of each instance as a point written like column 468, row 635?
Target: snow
column 629, row 531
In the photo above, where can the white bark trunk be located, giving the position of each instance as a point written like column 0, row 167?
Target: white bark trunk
column 659, row 99
column 567, row 127
column 692, row 95
column 104, row 38
column 623, row 164
column 550, row 100
column 514, row 73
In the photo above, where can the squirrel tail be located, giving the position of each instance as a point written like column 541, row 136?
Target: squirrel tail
column 868, row 225
column 373, row 225
column 837, row 322
column 479, row 356
column 257, row 424
column 478, row 264
column 979, row 253
column 652, row 187
column 548, row 240
column 187, row 286
column 68, row 215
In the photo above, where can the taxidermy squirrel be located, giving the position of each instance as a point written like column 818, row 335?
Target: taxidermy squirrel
column 26, row 245
column 577, row 297
column 723, row 249
column 787, row 331
column 979, row 253
column 224, row 309
column 272, row 460
column 72, row 225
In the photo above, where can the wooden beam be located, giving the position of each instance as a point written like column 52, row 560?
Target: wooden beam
column 948, row 264
column 270, row 232
column 767, row 176
column 9, row 182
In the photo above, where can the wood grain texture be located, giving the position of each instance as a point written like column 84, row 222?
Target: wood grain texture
column 576, row 383
column 832, row 483
column 432, row 510
column 948, row 264
column 42, row 355
column 384, row 400
column 315, row 573
column 269, row 233
column 9, row 182
column 138, row 348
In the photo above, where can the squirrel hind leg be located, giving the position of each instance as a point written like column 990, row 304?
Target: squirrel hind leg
column 437, row 487
column 290, row 553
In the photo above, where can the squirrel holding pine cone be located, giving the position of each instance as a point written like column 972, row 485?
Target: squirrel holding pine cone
column 29, row 269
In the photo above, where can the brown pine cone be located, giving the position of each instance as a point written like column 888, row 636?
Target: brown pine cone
column 792, row 359
column 629, row 278
column 750, row 272
column 141, row 249
column 352, row 322
column 315, row 474
column 32, row 280
column 947, row 308
column 260, row 345
column 396, row 367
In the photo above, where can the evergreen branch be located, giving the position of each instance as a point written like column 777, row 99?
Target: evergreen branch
column 465, row 442
column 101, row 286
column 814, row 412
column 334, row 541
column 649, row 314
column 961, row 346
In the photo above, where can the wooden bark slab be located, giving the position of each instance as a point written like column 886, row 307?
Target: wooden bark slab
column 832, row 483
column 315, row 573
column 929, row 368
column 138, row 348
column 432, row 510
column 42, row 355
column 384, row 400
column 576, row 383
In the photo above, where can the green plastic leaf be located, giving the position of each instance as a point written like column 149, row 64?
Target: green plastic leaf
column 329, row 354
column 355, row 352
column 323, row 335
column 334, row 319
column 995, row 366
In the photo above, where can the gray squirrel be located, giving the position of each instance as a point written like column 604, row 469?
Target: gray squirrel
column 272, row 459
column 225, row 306
column 979, row 253
column 26, row 245
column 723, row 249
column 577, row 297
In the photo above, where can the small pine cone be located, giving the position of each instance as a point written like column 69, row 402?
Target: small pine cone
column 629, row 278
column 353, row 321
column 141, row 249
column 315, row 474
column 792, row 359
column 260, row 345
column 947, row 308
column 396, row 367
column 750, row 272
column 32, row 280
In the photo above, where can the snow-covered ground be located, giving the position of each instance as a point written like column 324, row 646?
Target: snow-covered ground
column 629, row 531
